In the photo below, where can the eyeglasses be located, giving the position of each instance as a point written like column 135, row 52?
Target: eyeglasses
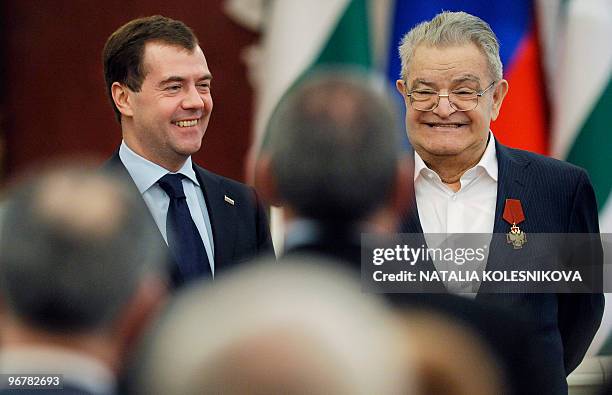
column 462, row 99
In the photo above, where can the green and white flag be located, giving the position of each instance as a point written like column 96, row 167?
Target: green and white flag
column 300, row 35
column 580, row 77
column 582, row 116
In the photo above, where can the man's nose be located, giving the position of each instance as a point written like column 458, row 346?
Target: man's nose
column 444, row 108
column 193, row 99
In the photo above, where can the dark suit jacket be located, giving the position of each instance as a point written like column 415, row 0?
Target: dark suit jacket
column 508, row 336
column 556, row 197
column 240, row 231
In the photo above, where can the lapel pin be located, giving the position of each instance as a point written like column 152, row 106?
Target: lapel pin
column 228, row 199
column 513, row 214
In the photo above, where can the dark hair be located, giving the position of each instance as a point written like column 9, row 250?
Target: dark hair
column 124, row 50
column 76, row 244
column 333, row 142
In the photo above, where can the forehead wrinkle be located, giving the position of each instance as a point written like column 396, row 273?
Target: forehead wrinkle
column 152, row 57
column 444, row 66
column 457, row 79
column 444, row 58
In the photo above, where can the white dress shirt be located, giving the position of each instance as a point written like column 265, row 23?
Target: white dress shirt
column 146, row 174
column 469, row 210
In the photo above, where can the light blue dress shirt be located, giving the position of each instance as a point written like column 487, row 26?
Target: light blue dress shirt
column 146, row 174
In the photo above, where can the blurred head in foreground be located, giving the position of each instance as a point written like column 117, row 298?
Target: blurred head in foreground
column 299, row 328
column 80, row 268
column 332, row 151
column 450, row 358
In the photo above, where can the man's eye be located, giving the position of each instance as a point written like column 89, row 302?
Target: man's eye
column 205, row 85
column 423, row 92
column 464, row 92
column 173, row 88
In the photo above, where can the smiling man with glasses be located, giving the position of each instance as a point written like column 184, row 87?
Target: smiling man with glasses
column 465, row 181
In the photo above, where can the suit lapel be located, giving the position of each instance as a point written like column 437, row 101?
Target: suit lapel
column 512, row 183
column 411, row 223
column 116, row 167
column 222, row 214
column 513, row 179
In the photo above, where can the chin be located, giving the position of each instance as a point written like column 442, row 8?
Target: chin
column 442, row 150
column 188, row 149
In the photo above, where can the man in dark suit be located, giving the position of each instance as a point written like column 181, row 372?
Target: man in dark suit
column 81, row 275
column 331, row 159
column 466, row 182
column 159, row 84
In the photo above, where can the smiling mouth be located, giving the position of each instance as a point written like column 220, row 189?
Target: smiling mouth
column 445, row 125
column 186, row 124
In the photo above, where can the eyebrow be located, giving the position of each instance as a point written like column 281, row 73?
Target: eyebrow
column 175, row 78
column 423, row 81
column 462, row 78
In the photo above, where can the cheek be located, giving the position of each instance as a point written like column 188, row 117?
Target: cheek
column 412, row 120
column 481, row 117
column 208, row 103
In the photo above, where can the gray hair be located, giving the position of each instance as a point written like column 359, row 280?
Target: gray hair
column 452, row 28
column 333, row 143
column 300, row 327
column 74, row 246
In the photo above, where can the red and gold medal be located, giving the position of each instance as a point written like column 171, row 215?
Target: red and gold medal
column 513, row 214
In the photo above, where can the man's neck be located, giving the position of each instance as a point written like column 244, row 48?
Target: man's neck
column 172, row 163
column 450, row 169
column 15, row 334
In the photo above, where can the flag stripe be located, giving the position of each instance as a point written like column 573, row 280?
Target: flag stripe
column 525, row 97
column 350, row 41
column 592, row 148
column 302, row 35
column 297, row 30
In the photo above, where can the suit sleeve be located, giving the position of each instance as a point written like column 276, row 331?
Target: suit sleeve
column 580, row 314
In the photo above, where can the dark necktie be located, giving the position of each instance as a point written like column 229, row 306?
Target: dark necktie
column 184, row 239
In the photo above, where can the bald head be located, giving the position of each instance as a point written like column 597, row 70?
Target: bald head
column 301, row 327
column 80, row 204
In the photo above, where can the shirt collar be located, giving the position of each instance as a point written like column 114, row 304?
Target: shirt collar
column 146, row 173
column 488, row 161
column 299, row 232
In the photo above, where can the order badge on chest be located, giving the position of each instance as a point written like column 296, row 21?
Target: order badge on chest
column 513, row 214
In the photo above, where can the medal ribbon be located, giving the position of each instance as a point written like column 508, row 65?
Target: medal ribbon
column 513, row 212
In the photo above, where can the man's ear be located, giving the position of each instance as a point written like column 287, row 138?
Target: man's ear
column 265, row 180
column 400, row 85
column 498, row 97
column 121, row 98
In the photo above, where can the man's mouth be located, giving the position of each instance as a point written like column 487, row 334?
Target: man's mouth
column 444, row 125
column 186, row 123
